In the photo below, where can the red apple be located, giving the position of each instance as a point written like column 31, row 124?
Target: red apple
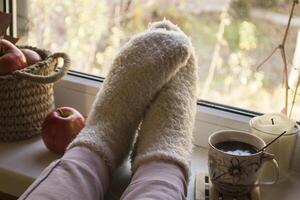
column 60, row 127
column 11, row 58
column 32, row 57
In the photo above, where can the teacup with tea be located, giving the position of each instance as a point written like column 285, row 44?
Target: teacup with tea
column 235, row 159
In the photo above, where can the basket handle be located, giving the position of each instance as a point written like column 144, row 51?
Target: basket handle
column 49, row 78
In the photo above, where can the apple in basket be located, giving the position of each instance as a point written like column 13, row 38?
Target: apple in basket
column 60, row 127
column 11, row 58
column 32, row 57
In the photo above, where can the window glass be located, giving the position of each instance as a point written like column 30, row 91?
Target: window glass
column 230, row 40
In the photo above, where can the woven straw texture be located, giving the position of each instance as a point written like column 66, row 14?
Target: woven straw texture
column 26, row 96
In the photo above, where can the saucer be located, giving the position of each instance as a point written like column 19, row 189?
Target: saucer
column 204, row 190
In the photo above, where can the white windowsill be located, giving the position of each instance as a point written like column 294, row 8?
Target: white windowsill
column 22, row 162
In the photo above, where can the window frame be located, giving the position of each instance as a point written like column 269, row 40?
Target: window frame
column 10, row 6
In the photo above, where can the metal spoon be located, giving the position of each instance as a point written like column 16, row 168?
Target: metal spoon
column 272, row 141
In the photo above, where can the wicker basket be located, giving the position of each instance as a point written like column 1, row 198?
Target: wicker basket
column 26, row 96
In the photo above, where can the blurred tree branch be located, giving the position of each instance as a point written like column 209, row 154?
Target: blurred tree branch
column 224, row 20
column 281, row 47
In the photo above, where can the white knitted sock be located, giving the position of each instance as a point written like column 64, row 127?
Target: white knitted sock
column 139, row 71
column 166, row 130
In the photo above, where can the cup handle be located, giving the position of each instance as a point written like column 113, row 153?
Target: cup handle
column 267, row 157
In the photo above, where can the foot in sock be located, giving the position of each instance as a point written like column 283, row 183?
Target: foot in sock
column 166, row 130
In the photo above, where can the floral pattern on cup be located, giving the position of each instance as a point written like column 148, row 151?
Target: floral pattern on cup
column 233, row 171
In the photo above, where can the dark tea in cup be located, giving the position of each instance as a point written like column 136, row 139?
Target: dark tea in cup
column 236, row 148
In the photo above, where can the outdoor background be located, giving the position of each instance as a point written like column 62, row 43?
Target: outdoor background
column 230, row 38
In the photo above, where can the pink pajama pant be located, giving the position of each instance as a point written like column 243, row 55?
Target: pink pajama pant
column 81, row 175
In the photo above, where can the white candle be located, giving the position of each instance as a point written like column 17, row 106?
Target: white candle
column 268, row 127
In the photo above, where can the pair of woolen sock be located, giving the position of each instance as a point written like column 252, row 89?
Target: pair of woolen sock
column 151, row 87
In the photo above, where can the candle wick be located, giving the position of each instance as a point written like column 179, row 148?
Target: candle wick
column 272, row 121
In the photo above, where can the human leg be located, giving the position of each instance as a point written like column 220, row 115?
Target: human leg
column 139, row 71
column 166, row 131
column 157, row 180
column 142, row 67
column 165, row 135
column 79, row 174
